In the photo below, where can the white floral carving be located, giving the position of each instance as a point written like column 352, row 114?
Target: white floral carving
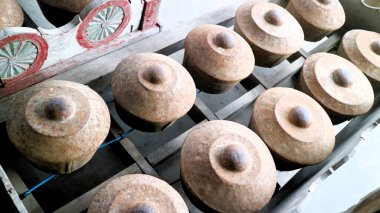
column 105, row 23
column 16, row 57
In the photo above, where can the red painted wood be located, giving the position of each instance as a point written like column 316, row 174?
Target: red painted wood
column 81, row 35
column 70, row 63
column 42, row 48
column 151, row 9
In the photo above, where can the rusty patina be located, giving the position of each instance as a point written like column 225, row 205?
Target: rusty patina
column 317, row 17
column 137, row 193
column 11, row 14
column 362, row 48
column 58, row 125
column 271, row 31
column 295, row 128
column 224, row 165
column 338, row 85
column 75, row 6
column 217, row 58
column 152, row 90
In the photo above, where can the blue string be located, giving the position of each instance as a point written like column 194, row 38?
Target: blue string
column 29, row 191
column 115, row 140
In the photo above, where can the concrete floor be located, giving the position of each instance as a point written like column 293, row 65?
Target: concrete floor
column 359, row 176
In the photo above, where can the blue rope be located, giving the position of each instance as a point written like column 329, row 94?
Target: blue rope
column 115, row 140
column 29, row 191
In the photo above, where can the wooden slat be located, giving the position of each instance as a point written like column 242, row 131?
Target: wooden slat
column 266, row 76
column 325, row 46
column 134, row 153
column 168, row 149
column 82, row 202
column 201, row 111
column 270, row 78
column 117, row 127
column 289, row 71
column 240, row 103
column 29, row 202
column 11, row 192
column 138, row 158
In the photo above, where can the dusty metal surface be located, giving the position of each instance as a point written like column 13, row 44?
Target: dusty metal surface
column 298, row 132
column 271, row 31
column 338, row 85
column 161, row 88
column 362, row 48
column 141, row 193
column 211, row 53
column 232, row 164
column 59, row 115
column 317, row 17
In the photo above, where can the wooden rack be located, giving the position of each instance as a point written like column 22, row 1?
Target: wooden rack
column 163, row 162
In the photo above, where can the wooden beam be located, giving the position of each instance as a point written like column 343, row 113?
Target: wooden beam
column 128, row 145
column 29, row 202
column 168, row 149
column 240, row 103
column 201, row 111
column 326, row 46
column 10, row 190
column 272, row 77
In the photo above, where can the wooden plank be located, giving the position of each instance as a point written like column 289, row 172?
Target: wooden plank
column 132, row 149
column 289, row 71
column 325, row 46
column 10, row 190
column 29, row 202
column 201, row 111
column 270, row 78
column 82, row 202
column 240, row 103
column 265, row 76
column 106, row 64
column 168, row 149
column 138, row 158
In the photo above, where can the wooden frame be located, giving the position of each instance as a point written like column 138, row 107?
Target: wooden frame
column 10, row 190
column 286, row 198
